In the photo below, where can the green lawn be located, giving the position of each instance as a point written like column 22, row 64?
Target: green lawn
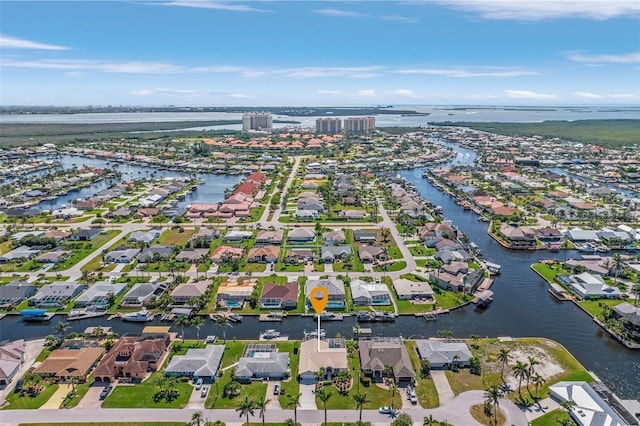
column 142, row 395
column 552, row 418
column 174, row 237
column 114, row 424
column 291, row 386
column 593, row 306
column 88, row 248
column 232, row 352
column 18, row 402
column 81, row 391
column 421, row 251
column 447, row 299
column 396, row 266
column 425, row 388
column 548, row 271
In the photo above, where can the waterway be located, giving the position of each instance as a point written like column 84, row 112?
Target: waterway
column 522, row 308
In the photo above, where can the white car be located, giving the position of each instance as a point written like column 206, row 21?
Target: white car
column 411, row 395
column 204, row 391
column 384, row 410
column 199, row 384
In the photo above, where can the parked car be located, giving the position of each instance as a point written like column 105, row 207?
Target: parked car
column 105, row 392
column 198, row 384
column 18, row 387
column 276, row 389
column 204, row 391
column 384, row 410
column 411, row 395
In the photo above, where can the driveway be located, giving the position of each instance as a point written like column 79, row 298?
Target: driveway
column 57, row 398
column 445, row 393
column 195, row 401
column 92, row 397
column 274, row 401
column 308, row 398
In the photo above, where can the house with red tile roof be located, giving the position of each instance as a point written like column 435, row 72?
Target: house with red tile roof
column 132, row 357
column 275, row 296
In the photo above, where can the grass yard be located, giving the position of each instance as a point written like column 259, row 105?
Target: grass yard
column 593, row 306
column 142, row 394
column 396, row 266
column 291, row 386
column 18, row 402
column 88, row 248
column 232, row 352
column 174, row 237
column 548, row 272
column 114, row 424
column 425, row 388
column 446, row 299
column 81, row 391
column 477, row 412
column 552, row 418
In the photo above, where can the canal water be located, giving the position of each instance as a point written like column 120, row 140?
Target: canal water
column 522, row 307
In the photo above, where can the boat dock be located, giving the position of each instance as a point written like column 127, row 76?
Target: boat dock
column 360, row 331
column 273, row 316
column 82, row 314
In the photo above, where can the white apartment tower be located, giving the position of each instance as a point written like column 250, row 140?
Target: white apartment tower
column 359, row 124
column 328, row 126
column 257, row 121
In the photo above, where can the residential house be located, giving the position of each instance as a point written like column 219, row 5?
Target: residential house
column 549, row 235
column 54, row 256
column 141, row 294
column 361, row 236
column 301, row 235
column 368, row 254
column 306, row 214
column 22, row 253
column 57, row 294
column 98, row 294
column 149, row 254
column 15, row 292
column 121, row 213
column 270, row 237
column 226, row 253
column 276, row 296
column 85, row 234
column 233, row 294
column 443, row 354
column 588, row 408
column 122, row 255
column 185, row 292
column 366, row 293
column 328, row 355
column 352, row 214
column 132, row 357
column 409, row 290
column 578, row 235
column 66, row 364
column 259, row 364
column 237, row 236
column 197, row 363
column 333, row 238
column 12, row 355
column 379, row 352
column 205, row 235
column 142, row 237
column 590, row 286
column 192, row 255
column 452, row 254
column 334, row 287
column 57, row 234
column 631, row 314
column 330, row 254
column 268, row 254
column 299, row 256
column 518, row 236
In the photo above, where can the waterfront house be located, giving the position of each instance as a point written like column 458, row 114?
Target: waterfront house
column 226, row 253
column 275, row 296
column 85, row 234
column 578, row 235
column 366, row 293
column 56, row 294
column 262, row 362
column 328, row 355
column 197, row 363
column 631, row 315
column 141, row 294
column 12, row 355
column 301, row 235
column 378, row 352
column 122, row 255
column 192, row 255
column 518, row 236
column 142, row 237
column 549, row 235
column 64, row 364
column 587, row 408
column 408, row 290
column 15, row 292
column 185, row 292
column 98, row 294
column 270, row 237
column 590, row 286
column 132, row 357
column 444, row 354
column 334, row 287
column 329, row 254
column 267, row 254
column 233, row 294
column 332, row 238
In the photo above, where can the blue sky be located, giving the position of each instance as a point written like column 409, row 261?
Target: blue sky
column 429, row 52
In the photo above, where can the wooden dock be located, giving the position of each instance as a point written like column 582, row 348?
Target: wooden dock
column 274, row 316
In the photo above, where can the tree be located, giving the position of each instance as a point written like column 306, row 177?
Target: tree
column 503, row 357
column 197, row 323
column 360, row 399
column 232, row 388
column 196, row 418
column 475, row 366
column 61, row 329
column 537, row 381
column 520, row 372
column 290, row 422
column 635, row 290
column 403, row 420
column 425, row 367
column 531, row 370
column 261, row 404
column 492, row 398
column 246, row 407
column 393, row 388
column 294, row 401
column 182, row 321
column 475, row 339
column 388, row 371
column 324, row 396
column 429, row 421
column 98, row 332
column 223, row 324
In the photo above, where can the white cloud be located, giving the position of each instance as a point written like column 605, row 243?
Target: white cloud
column 217, row 5
column 18, row 43
column 534, row 10
column 587, row 95
column 367, row 93
column 624, row 58
column 461, row 73
column 242, row 96
column 339, row 13
column 91, row 65
column 527, row 94
column 163, row 91
column 329, row 92
column 404, row 92
column 614, row 96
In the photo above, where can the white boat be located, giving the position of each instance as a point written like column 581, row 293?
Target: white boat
column 140, row 316
column 586, row 248
column 273, row 334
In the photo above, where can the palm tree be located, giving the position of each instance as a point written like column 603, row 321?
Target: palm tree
column 635, row 290
column 618, row 265
column 530, row 370
column 492, row 398
column 388, row 371
column 182, row 321
column 393, row 388
column 290, row 422
column 261, row 405
column 294, row 401
column 61, row 329
column 520, row 371
column 429, row 421
column 537, row 380
column 361, row 400
column 324, row 396
column 98, row 332
column 246, row 407
column 197, row 323
column 223, row 324
column 196, row 418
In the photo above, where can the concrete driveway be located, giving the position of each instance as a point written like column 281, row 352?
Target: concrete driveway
column 445, row 393
column 274, row 401
column 92, row 397
column 308, row 398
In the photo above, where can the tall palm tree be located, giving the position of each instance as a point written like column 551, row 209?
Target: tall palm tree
column 61, row 329
column 261, row 404
column 361, row 400
column 246, row 407
column 520, row 371
column 197, row 323
column 196, row 418
column 393, row 388
column 223, row 324
column 492, row 397
column 324, row 396
column 182, row 321
column 531, row 370
column 537, row 380
column 294, row 401
column 503, row 357
column 618, row 265
column 635, row 290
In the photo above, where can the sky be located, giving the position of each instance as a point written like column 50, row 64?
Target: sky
column 320, row 53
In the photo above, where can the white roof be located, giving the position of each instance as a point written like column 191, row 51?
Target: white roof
column 590, row 409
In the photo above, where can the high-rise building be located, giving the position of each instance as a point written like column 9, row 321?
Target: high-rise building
column 359, row 124
column 328, row 126
column 257, row 121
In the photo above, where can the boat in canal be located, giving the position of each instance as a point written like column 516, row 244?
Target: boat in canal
column 140, row 316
